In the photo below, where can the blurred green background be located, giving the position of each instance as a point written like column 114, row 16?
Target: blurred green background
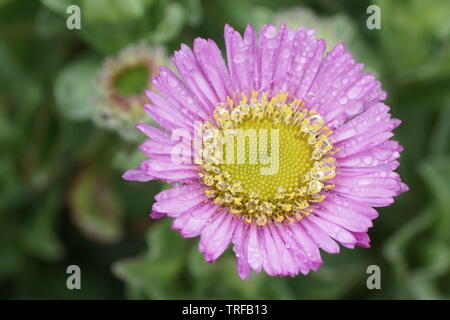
column 62, row 199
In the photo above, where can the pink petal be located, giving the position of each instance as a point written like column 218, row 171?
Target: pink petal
column 138, row 174
column 254, row 250
column 298, row 254
column 154, row 133
column 191, row 223
column 193, row 77
column 174, row 207
column 309, row 246
column 217, row 235
column 288, row 264
column 168, row 84
column 320, row 237
column 211, row 62
column 333, row 230
column 268, row 47
column 241, row 57
column 240, row 240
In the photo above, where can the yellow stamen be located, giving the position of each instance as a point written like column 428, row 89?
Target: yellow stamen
column 266, row 159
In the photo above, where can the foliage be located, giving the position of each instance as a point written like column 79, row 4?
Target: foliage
column 62, row 199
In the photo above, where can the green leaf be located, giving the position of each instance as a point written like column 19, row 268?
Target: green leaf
column 440, row 141
column 74, row 89
column 395, row 248
column 112, row 11
column 49, row 23
column 220, row 279
column 436, row 173
column 156, row 273
column 11, row 261
column 38, row 235
column 126, row 159
column 170, row 24
column 23, row 88
column 339, row 274
column 8, row 130
column 95, row 208
column 427, row 54
column 193, row 9
column 60, row 6
column 424, row 281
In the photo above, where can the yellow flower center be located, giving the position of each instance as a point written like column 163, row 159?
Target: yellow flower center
column 266, row 159
column 275, row 156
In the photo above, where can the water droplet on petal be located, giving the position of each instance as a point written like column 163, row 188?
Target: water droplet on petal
column 272, row 44
column 367, row 160
column 172, row 82
column 271, row 32
column 354, row 92
column 343, row 100
column 238, row 58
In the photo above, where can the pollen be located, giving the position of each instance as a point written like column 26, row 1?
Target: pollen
column 266, row 159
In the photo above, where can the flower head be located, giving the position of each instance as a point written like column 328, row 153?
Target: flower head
column 281, row 151
column 121, row 84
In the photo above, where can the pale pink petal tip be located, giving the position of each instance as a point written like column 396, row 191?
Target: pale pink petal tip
column 137, row 175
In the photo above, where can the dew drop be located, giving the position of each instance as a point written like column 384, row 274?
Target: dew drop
column 285, row 53
column 354, row 108
column 272, row 44
column 238, row 58
column 172, row 82
column 367, row 160
column 347, row 134
column 343, row 100
column 364, row 182
column 271, row 32
column 354, row 92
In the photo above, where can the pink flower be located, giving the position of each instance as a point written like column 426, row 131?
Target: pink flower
column 315, row 157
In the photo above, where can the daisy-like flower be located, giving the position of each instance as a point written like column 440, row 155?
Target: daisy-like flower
column 314, row 157
column 121, row 83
